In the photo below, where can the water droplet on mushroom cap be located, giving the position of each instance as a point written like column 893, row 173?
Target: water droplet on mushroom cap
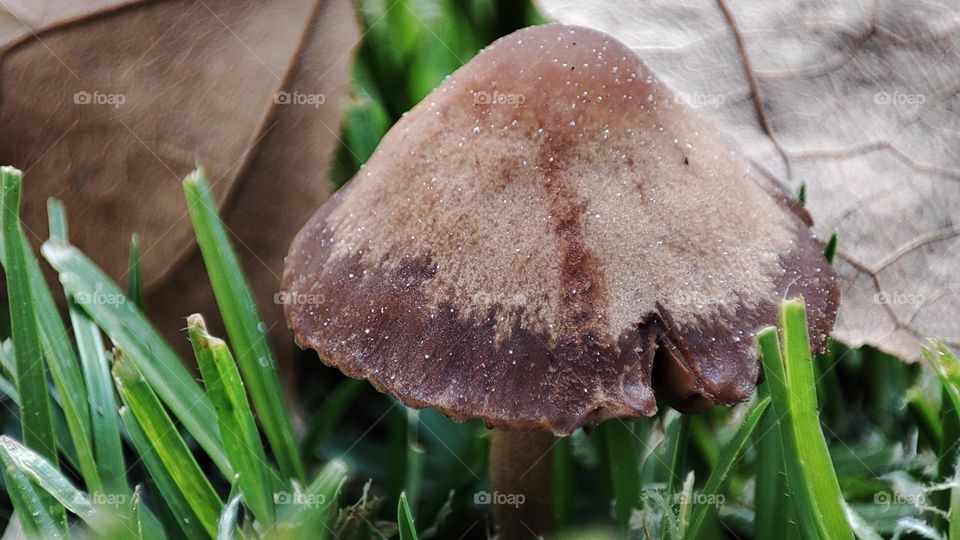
column 609, row 240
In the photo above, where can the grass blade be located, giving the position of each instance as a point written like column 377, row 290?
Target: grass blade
column 622, row 462
column 776, row 377
column 60, row 429
column 413, row 473
column 145, row 524
column 162, row 435
column 774, row 516
column 170, row 494
column 62, row 363
column 326, row 486
column 108, row 449
column 830, row 250
column 564, row 482
column 142, row 345
column 32, row 506
column 134, row 276
column 926, row 416
column 811, row 476
column 46, row 476
column 36, row 418
column 815, row 456
column 707, row 503
column 243, row 323
column 237, row 426
column 405, row 520
column 678, row 440
column 104, row 422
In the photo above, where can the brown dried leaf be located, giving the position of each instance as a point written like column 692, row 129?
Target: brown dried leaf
column 108, row 104
column 856, row 99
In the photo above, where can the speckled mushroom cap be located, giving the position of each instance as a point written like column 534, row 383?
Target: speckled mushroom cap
column 549, row 239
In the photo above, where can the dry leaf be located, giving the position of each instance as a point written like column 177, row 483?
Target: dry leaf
column 858, row 100
column 109, row 104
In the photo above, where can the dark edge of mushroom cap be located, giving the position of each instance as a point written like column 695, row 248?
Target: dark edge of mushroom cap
column 414, row 316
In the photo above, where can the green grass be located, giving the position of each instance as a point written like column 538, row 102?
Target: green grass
column 148, row 412
column 152, row 405
column 36, row 418
column 237, row 427
column 245, row 328
column 134, row 274
column 141, row 343
column 818, row 504
column 618, row 439
column 110, row 474
column 405, row 520
column 705, row 504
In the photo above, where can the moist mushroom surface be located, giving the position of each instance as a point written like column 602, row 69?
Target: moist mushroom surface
column 551, row 238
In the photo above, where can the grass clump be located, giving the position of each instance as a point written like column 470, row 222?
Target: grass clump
column 186, row 440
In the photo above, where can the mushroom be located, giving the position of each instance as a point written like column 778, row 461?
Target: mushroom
column 550, row 239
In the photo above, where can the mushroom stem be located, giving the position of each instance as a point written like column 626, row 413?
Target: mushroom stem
column 521, row 480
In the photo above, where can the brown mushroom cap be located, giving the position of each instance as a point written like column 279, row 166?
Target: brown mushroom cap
column 550, row 239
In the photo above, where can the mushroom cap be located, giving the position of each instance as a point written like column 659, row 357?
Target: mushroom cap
column 550, row 239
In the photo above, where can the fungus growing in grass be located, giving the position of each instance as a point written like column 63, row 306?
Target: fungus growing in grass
column 550, row 239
